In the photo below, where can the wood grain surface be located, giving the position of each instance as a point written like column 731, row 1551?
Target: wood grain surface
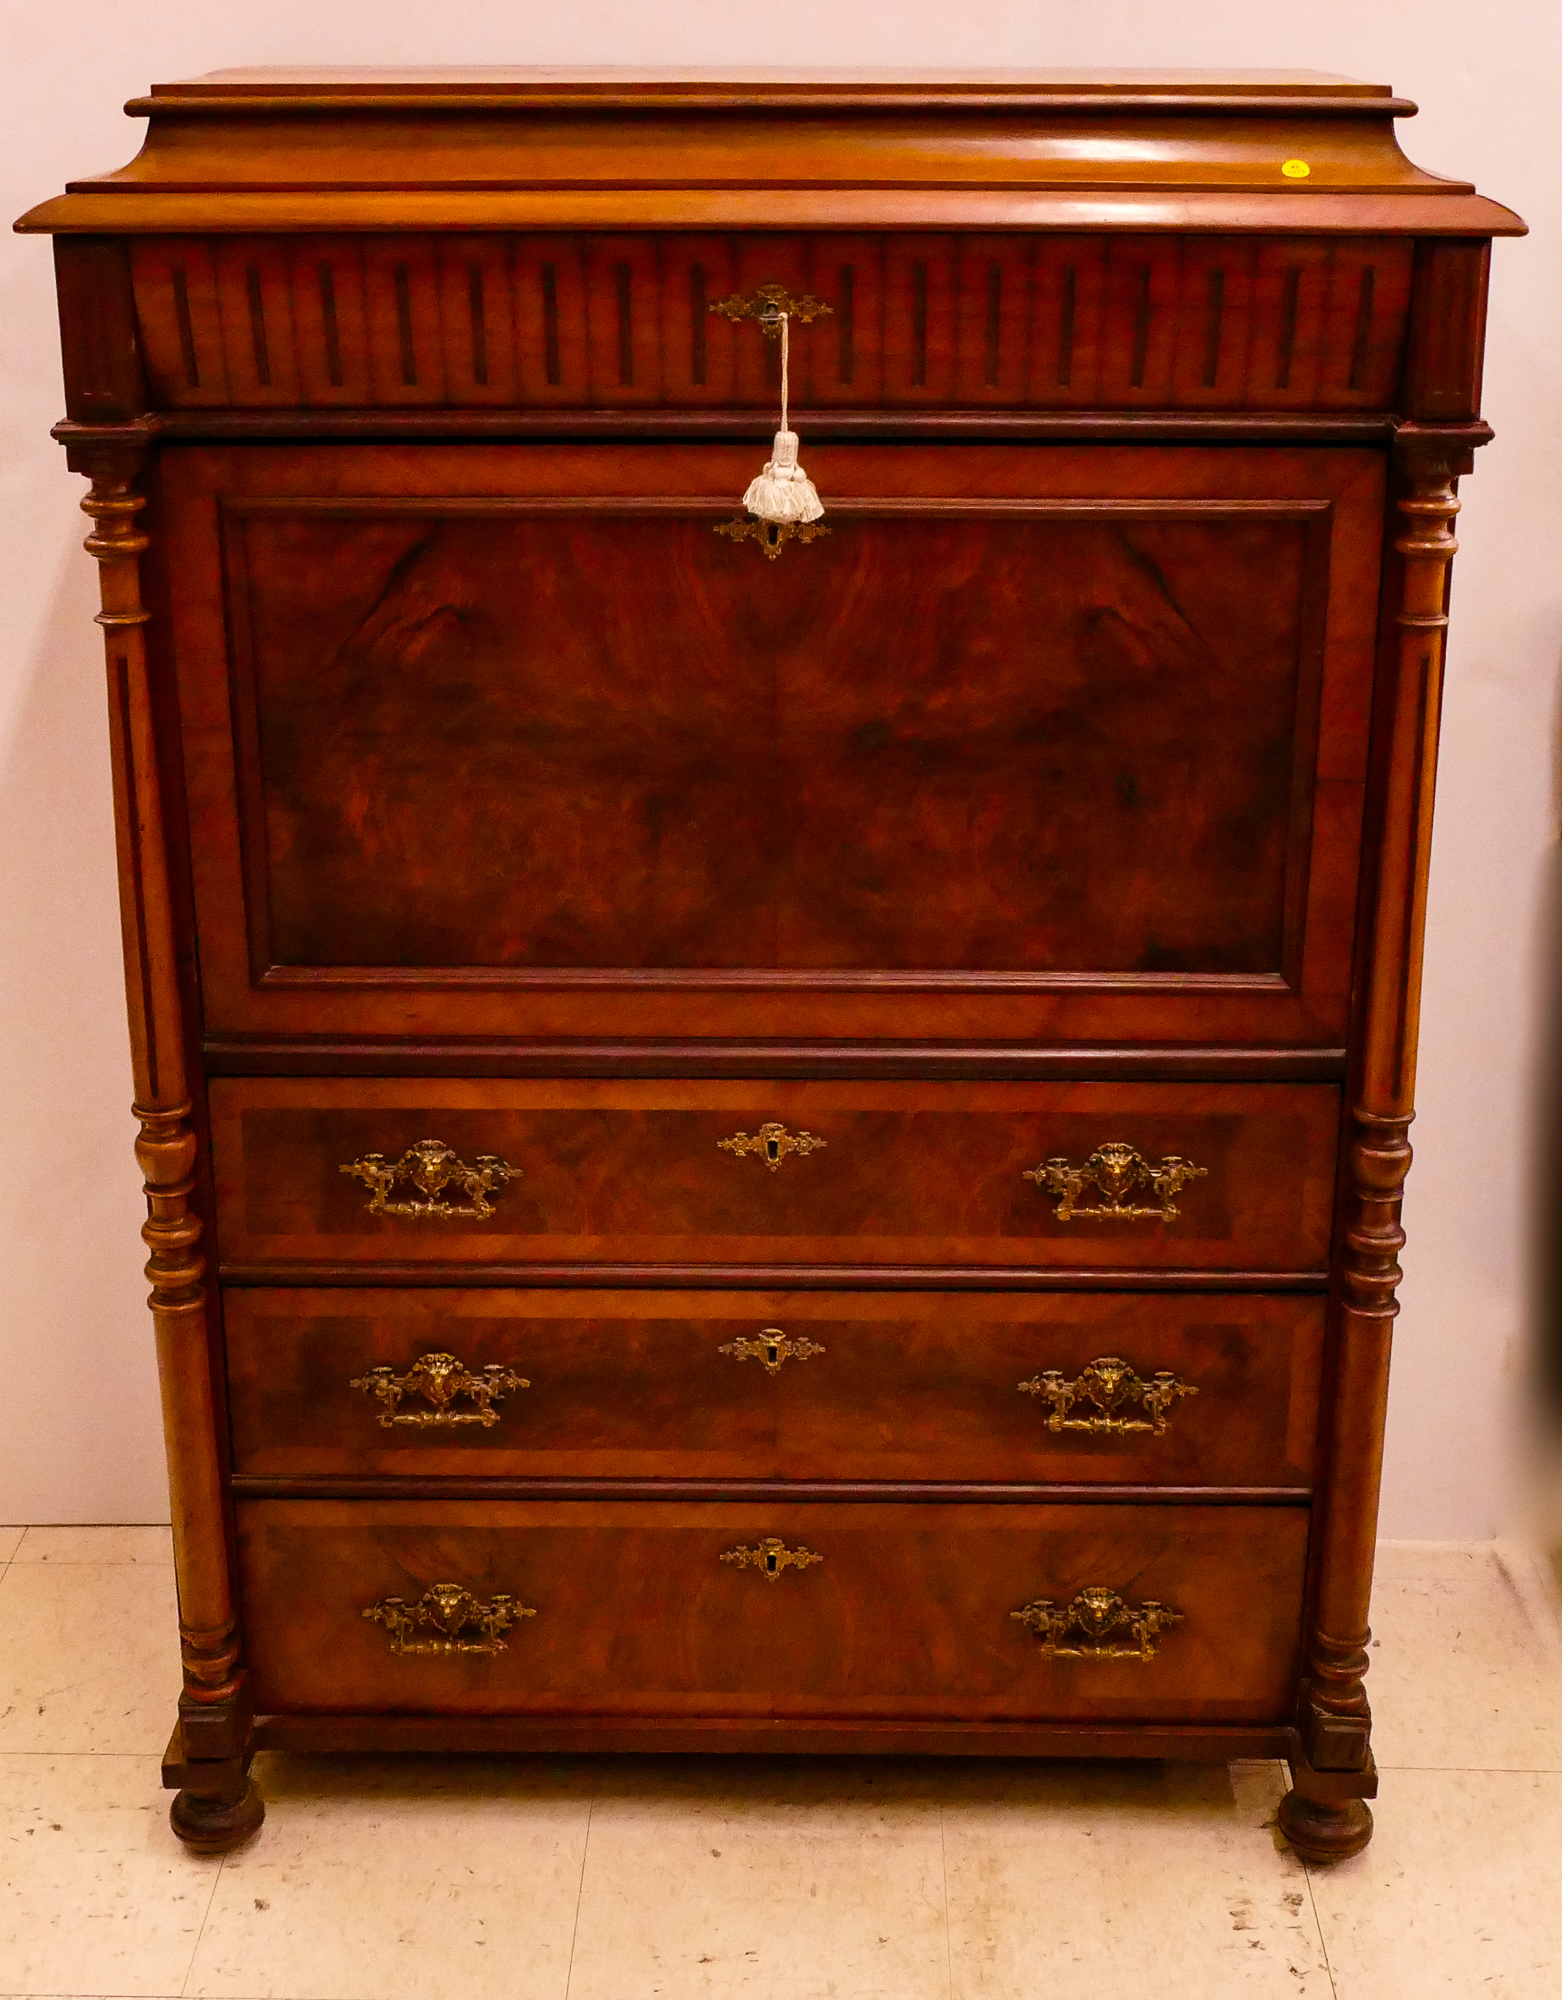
column 571, row 322
column 908, row 1173
column 955, row 749
column 1075, row 787
column 907, row 1615
column 626, row 1385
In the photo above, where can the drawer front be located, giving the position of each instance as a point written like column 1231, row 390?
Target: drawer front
column 663, row 1609
column 1228, row 1177
column 754, row 1385
column 574, row 300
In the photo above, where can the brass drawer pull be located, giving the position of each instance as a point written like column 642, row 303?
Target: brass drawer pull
column 432, row 1170
column 770, row 1347
column 1111, row 1386
column 1086, row 1628
column 770, row 1557
column 452, row 1612
column 772, row 1141
column 1115, row 1171
column 439, row 1379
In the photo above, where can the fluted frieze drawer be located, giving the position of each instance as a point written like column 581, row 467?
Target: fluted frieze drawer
column 933, row 320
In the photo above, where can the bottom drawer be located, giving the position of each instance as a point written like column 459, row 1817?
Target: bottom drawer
column 666, row 1609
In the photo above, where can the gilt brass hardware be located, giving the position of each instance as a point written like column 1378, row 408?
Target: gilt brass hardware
column 773, row 1141
column 434, row 1171
column 1090, row 1622
column 770, row 1347
column 439, row 1379
column 772, row 536
column 1115, row 1171
column 452, row 1612
column 1111, row 1386
column 770, row 1557
column 770, row 304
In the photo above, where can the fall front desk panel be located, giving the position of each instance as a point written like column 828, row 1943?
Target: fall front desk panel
column 1046, row 742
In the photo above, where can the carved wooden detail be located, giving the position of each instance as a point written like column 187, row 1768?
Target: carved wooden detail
column 1164, row 322
column 214, row 1718
column 1336, row 1717
column 1447, row 331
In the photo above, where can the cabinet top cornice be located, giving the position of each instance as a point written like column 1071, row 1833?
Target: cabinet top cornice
column 721, row 89
column 394, row 149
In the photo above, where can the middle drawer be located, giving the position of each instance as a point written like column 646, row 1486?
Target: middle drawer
column 1057, row 1176
column 1212, row 1389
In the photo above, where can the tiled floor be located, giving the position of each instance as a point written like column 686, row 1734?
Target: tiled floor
column 689, row 1879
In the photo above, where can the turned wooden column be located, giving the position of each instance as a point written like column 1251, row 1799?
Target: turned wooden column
column 1325, row 1816
column 217, row 1805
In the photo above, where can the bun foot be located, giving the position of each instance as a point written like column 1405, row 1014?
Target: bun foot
column 212, row 1822
column 1322, row 1830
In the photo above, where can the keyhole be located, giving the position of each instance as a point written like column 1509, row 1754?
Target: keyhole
column 772, row 1149
column 770, row 1561
column 772, row 1352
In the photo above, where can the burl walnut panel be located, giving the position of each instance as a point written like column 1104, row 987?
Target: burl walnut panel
column 906, row 1615
column 631, row 1385
column 557, row 741
column 1049, row 727
column 566, row 321
column 909, row 1173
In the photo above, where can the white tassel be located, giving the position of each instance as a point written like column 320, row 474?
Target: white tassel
column 783, row 491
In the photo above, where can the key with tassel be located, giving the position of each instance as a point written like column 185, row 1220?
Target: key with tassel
column 781, row 499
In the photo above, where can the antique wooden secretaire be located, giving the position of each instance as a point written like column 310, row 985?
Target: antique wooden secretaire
column 764, row 1133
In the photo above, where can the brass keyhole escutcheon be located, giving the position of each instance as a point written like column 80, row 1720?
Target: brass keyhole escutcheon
column 772, row 1142
column 770, row 1557
column 770, row 304
column 770, row 1347
column 772, row 536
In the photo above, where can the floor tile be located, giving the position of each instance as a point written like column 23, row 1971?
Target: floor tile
column 1456, row 1894
column 417, row 1878
column 97, row 1545
column 96, row 1895
column 1432, row 1562
column 1466, row 1664
column 1533, row 1575
column 10, row 1539
column 1160, row 1880
column 755, row 1879
column 89, row 1657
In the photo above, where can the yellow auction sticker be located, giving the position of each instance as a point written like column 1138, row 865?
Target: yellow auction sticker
column 1295, row 170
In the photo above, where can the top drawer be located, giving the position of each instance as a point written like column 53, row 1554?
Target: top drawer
column 926, row 321
column 1084, row 1177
